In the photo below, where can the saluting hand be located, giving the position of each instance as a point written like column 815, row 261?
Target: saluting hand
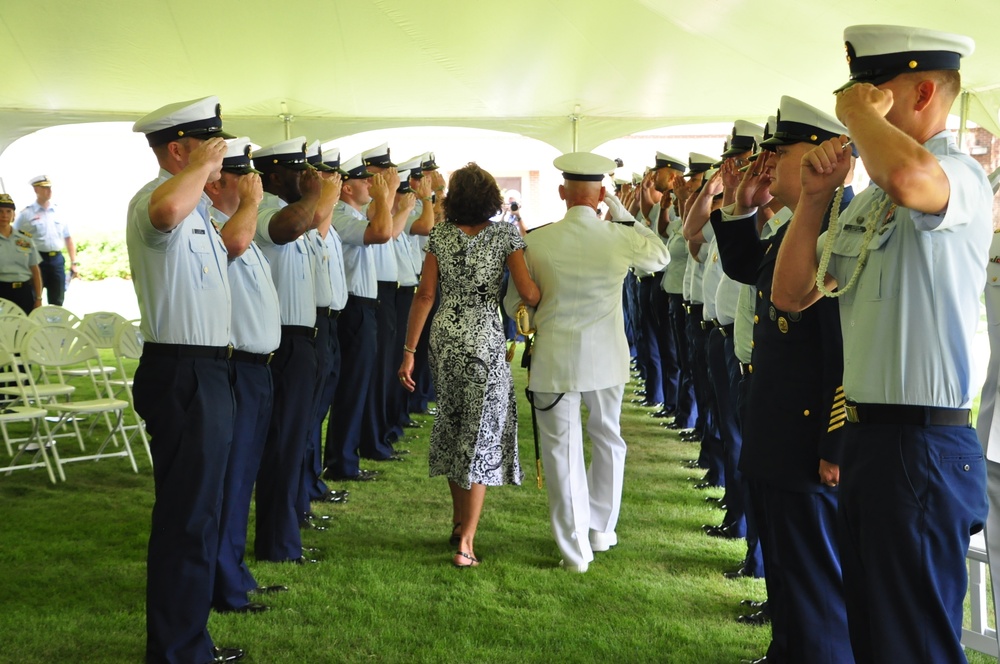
column 825, row 167
column 754, row 190
column 332, row 182
column 209, row 155
column 391, row 178
column 250, row 189
column 715, row 185
column 731, row 175
column 407, row 201
column 379, row 189
column 424, row 188
column 310, row 184
column 862, row 97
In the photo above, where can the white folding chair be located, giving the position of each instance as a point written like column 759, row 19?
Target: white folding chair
column 128, row 346
column 56, row 347
column 100, row 326
column 35, row 445
column 13, row 330
column 54, row 315
column 8, row 308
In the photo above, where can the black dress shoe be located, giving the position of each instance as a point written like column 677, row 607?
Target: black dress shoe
column 652, row 404
column 674, row 426
column 754, row 604
column 362, row 476
column 332, row 497
column 252, row 607
column 713, row 499
column 723, row 532
column 739, row 573
column 663, row 413
column 687, row 432
column 705, row 485
column 310, row 550
column 312, row 516
column 309, row 524
column 391, row 457
column 758, row 619
column 227, row 654
column 302, row 561
column 690, row 438
column 267, row 590
column 762, row 660
column 639, row 393
column 401, row 452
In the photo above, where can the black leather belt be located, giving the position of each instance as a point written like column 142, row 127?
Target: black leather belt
column 877, row 413
column 645, row 279
column 13, row 284
column 298, row 331
column 323, row 312
column 692, row 307
column 50, row 254
column 745, row 368
column 364, row 301
column 184, row 350
column 706, row 324
column 252, row 358
column 335, row 313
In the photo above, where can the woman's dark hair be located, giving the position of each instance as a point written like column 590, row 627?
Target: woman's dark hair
column 473, row 196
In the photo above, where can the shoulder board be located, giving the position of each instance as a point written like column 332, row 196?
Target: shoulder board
column 25, row 233
column 623, row 223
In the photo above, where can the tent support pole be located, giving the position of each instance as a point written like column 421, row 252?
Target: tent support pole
column 575, row 119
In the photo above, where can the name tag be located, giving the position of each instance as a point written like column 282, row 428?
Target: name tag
column 198, row 231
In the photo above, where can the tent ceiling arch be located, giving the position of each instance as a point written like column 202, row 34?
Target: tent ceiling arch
column 555, row 70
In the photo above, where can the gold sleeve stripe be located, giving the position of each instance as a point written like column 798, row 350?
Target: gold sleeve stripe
column 834, row 427
column 840, row 403
column 838, row 418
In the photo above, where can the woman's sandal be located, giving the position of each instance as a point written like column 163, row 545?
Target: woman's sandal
column 456, row 536
column 467, row 556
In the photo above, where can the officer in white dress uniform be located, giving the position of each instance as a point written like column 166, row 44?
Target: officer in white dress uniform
column 909, row 262
column 182, row 385
column 580, row 354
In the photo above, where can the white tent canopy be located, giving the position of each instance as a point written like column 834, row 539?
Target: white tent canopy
column 567, row 72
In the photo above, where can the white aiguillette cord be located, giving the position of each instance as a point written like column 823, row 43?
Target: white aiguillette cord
column 834, row 231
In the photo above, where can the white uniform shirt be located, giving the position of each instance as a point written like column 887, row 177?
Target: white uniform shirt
column 321, row 264
column 986, row 426
column 180, row 277
column 338, row 280
column 579, row 264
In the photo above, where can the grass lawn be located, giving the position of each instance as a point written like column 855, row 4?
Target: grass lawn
column 73, row 562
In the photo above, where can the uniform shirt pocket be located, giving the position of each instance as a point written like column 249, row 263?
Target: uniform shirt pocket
column 203, row 261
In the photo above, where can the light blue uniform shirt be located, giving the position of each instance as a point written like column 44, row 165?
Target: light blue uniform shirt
column 909, row 323
column 46, row 229
column 673, row 275
column 743, row 330
column 417, row 242
column 291, row 268
column 256, row 325
column 359, row 264
column 711, row 278
column 338, row 280
column 321, row 274
column 693, row 275
column 17, row 256
column 180, row 277
column 407, row 270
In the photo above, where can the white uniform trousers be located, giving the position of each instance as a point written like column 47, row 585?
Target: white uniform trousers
column 580, row 499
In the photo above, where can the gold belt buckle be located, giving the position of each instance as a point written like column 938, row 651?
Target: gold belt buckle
column 852, row 414
column 229, row 352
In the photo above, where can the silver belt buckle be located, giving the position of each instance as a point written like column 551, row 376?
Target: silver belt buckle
column 852, row 414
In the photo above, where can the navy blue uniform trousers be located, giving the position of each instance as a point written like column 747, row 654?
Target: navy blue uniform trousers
column 293, row 370
column 252, row 390
column 910, row 497
column 687, row 409
column 187, row 404
column 356, row 332
column 375, row 443
column 669, row 366
column 649, row 345
column 328, row 373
